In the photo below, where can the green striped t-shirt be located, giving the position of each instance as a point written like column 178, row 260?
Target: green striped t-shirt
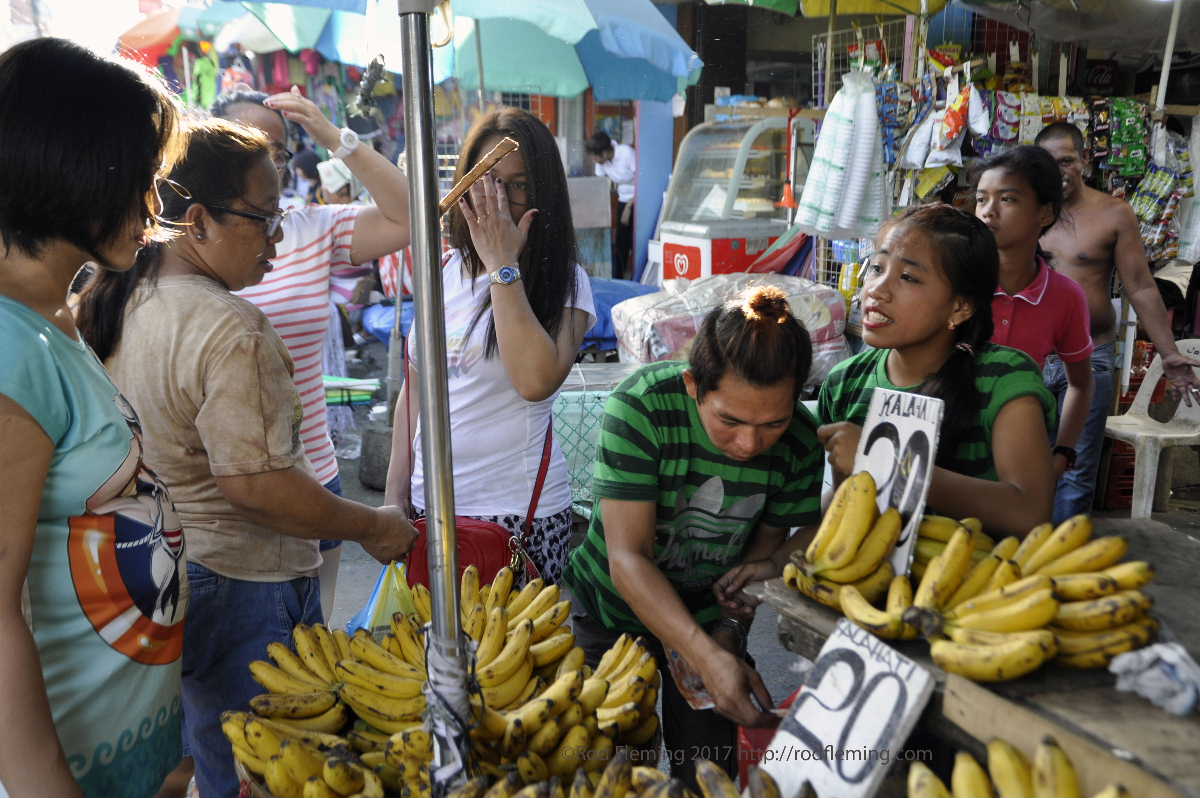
column 653, row 447
column 1001, row 375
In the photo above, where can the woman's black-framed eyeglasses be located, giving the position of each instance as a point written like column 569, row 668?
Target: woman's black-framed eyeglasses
column 272, row 222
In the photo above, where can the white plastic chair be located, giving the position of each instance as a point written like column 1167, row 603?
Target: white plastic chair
column 1150, row 437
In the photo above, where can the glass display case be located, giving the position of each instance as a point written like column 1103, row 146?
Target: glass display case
column 728, row 178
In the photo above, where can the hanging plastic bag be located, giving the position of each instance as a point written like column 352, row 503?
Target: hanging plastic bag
column 950, row 156
column 916, row 145
column 979, row 120
column 391, row 595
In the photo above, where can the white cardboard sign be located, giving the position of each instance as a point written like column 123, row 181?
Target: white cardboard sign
column 899, row 446
column 859, row 704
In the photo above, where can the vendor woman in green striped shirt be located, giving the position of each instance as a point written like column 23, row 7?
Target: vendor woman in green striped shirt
column 927, row 310
column 701, row 470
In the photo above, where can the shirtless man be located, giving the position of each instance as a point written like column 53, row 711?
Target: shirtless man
column 1095, row 234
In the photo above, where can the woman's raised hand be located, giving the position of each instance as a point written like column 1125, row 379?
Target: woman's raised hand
column 498, row 240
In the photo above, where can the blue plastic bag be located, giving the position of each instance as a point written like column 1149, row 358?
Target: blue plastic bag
column 391, row 595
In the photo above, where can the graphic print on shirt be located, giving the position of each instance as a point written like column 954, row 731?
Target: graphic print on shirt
column 459, row 356
column 701, row 532
column 127, row 557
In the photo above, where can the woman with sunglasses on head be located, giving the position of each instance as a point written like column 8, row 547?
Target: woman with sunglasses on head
column 317, row 241
column 517, row 307
column 221, row 418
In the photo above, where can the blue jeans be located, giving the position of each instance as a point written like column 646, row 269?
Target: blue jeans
column 229, row 624
column 1077, row 487
column 334, row 486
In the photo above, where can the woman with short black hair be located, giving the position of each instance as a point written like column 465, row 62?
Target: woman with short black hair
column 93, row 704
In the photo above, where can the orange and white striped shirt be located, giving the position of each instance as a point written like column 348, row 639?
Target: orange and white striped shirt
column 295, row 297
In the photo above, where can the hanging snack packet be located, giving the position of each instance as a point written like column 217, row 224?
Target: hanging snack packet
column 1031, row 118
column 955, row 119
column 1006, row 117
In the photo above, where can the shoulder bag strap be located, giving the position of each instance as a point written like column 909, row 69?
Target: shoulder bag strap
column 543, row 467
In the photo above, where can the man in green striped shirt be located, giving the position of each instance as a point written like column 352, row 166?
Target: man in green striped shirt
column 701, row 470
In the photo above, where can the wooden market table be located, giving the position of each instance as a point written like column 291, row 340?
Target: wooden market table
column 1119, row 735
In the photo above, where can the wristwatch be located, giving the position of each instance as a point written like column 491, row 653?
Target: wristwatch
column 505, row 275
column 349, row 143
column 741, row 629
column 1067, row 452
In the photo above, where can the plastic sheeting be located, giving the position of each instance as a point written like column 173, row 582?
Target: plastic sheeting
column 661, row 326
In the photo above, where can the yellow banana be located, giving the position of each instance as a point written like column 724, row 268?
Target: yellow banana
column 511, row 657
column 1094, row 555
column 293, row 705
column 1044, row 638
column 326, row 644
column 1131, row 575
column 1001, row 596
column 877, row 545
column 410, row 639
column 474, row 622
column 1067, row 536
column 593, row 693
column 342, row 774
column 875, row 586
column 856, row 608
column 617, row 777
column 857, row 520
column 615, row 720
column 996, row 663
column 262, row 739
column 415, row 744
column 763, row 785
column 341, row 641
column 550, row 620
column 899, row 599
column 533, row 685
column 830, row 522
column 975, row 581
column 423, row 603
column 488, row 720
column 945, row 572
column 1053, row 774
column 330, row 721
column 924, row 783
column 566, row 759
column 1030, row 611
column 310, row 652
column 315, row 738
column 301, row 761
column 553, row 648
column 316, row 787
column 1005, row 574
column 468, row 588
column 363, row 740
column 1113, row 791
column 617, row 651
column 571, row 716
column 492, row 640
column 543, row 601
column 250, row 760
column 574, row 659
column 290, row 664
column 364, row 649
column 1006, row 548
column 1031, row 543
column 396, row 710
column 643, row 733
column 233, row 724
column 581, row 787
column 642, row 778
column 378, row 681
column 630, row 689
column 501, row 586
column 277, row 680
column 926, row 549
column 279, row 780
column 1009, row 769
column 1102, row 613
column 1097, row 649
column 1082, row 587
column 532, row 767
column 714, row 782
column 517, row 602
column 969, row 779
column 938, row 527
column 546, row 738
column 504, row 693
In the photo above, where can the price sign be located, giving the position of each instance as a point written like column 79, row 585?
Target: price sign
column 899, row 446
column 858, row 706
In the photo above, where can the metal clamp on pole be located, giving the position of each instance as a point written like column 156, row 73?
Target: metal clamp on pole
column 448, row 703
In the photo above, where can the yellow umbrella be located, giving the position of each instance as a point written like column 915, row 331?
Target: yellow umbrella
column 821, row 8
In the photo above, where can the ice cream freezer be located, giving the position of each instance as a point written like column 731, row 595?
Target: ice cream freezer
column 722, row 207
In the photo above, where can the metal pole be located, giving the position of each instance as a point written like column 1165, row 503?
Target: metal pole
column 479, row 58
column 447, row 668
column 1161, row 99
column 187, row 71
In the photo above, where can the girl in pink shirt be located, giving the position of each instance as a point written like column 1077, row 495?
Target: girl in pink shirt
column 1035, row 309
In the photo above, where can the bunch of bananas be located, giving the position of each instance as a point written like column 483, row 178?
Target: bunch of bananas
column 992, row 610
column 620, row 778
column 850, row 550
column 1011, row 775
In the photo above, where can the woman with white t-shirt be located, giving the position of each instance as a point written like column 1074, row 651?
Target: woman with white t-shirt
column 517, row 306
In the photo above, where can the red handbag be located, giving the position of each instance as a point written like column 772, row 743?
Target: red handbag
column 487, row 546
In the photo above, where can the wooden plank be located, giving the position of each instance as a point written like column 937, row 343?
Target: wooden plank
column 984, row 714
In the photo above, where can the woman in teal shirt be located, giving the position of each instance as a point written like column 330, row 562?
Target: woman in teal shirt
column 92, row 675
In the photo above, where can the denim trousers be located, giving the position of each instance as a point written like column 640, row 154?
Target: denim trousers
column 334, row 486
column 1077, row 487
column 229, row 624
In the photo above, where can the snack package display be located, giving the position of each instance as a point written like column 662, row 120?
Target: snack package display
column 1031, row 118
column 954, row 120
column 1129, row 154
column 1006, row 118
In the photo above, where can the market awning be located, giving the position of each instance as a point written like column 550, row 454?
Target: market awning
column 1130, row 26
